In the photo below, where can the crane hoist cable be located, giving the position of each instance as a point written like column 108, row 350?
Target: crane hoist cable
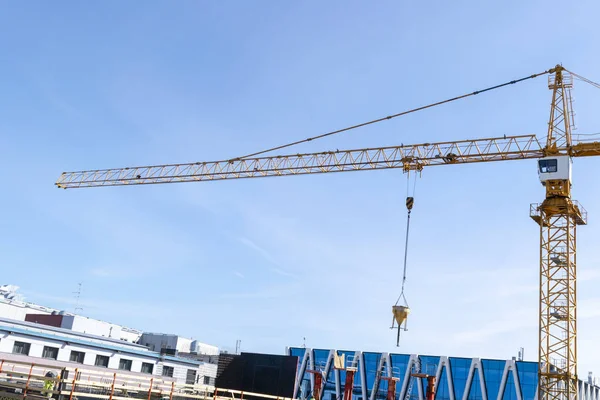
column 410, row 201
column 400, row 312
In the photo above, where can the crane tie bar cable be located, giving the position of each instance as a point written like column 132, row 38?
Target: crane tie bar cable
column 586, row 80
column 394, row 115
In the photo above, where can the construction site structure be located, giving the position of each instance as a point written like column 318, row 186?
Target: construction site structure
column 430, row 388
column 392, row 384
column 317, row 384
column 349, row 366
column 456, row 378
column 558, row 215
column 339, row 363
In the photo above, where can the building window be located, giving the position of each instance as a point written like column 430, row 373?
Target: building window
column 125, row 364
column 147, row 368
column 101, row 361
column 167, row 371
column 207, row 380
column 77, row 356
column 21, row 348
column 50, row 352
column 190, row 377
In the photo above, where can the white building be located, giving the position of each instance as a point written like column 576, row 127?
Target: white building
column 164, row 341
column 36, row 341
column 13, row 306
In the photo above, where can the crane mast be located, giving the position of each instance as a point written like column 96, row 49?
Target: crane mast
column 558, row 217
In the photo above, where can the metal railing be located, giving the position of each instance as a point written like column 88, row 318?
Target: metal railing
column 20, row 380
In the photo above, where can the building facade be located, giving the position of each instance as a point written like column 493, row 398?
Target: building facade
column 42, row 343
column 456, row 378
column 165, row 341
column 13, row 306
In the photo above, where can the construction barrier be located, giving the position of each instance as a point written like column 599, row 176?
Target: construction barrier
column 21, row 381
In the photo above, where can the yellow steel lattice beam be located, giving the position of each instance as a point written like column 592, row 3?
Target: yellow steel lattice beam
column 409, row 157
column 558, row 217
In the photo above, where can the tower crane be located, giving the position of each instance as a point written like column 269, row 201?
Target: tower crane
column 557, row 216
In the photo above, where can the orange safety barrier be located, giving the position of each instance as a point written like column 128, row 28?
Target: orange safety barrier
column 22, row 380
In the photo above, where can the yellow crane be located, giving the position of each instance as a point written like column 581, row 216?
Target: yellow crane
column 558, row 215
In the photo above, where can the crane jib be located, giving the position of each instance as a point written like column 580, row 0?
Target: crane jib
column 406, row 157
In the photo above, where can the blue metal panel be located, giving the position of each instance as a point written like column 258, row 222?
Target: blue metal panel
column 443, row 391
column 429, row 366
column 492, row 374
column 510, row 390
column 371, row 364
column 528, row 372
column 321, row 357
column 460, row 372
column 475, row 391
column 399, row 366
column 298, row 352
column 349, row 355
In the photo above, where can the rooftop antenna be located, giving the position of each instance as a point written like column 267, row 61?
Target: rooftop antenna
column 521, row 354
column 304, row 342
column 77, row 297
column 238, row 345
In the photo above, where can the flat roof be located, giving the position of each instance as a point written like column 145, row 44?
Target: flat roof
column 38, row 307
column 69, row 331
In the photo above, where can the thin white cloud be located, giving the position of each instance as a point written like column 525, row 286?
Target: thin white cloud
column 101, row 272
column 508, row 323
column 587, row 275
column 588, row 308
column 239, row 274
column 108, row 310
column 249, row 243
column 267, row 256
column 284, row 273
column 278, row 291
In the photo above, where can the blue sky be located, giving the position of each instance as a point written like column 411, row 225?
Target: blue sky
column 271, row 261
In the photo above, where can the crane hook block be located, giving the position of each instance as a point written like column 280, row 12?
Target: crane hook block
column 410, row 201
